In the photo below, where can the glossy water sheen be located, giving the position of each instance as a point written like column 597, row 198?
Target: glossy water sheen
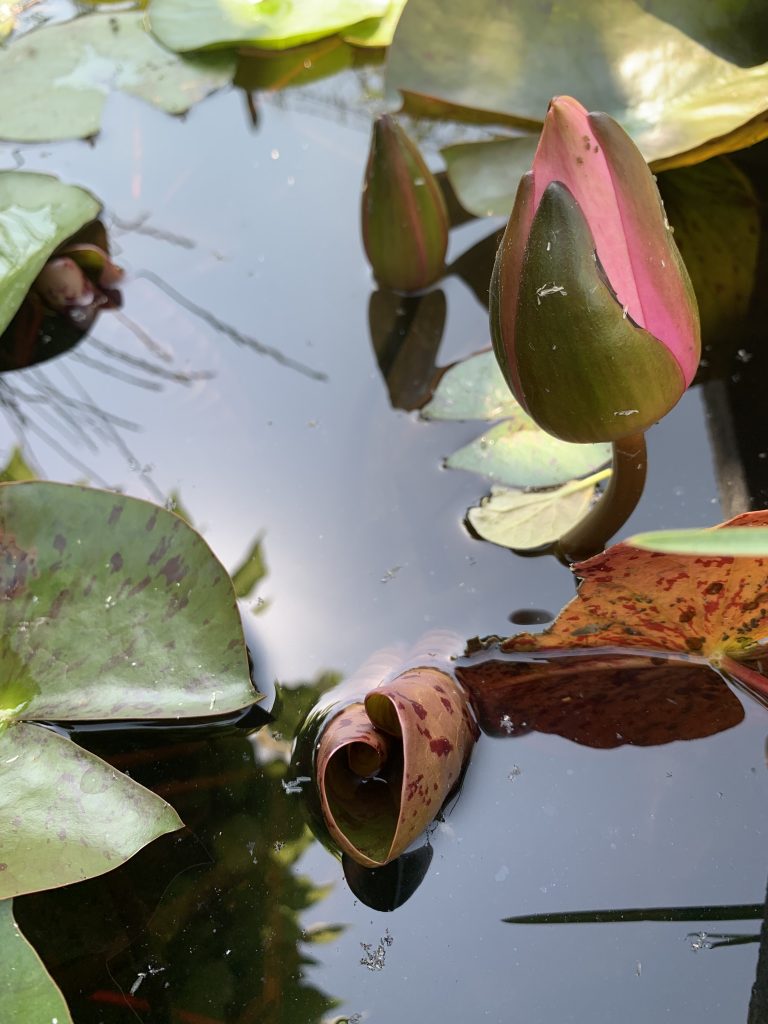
column 294, row 438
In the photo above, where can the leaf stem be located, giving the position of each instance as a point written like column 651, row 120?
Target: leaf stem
column 590, row 535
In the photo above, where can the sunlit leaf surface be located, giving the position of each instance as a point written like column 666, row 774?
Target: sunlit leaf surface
column 710, row 605
column 379, row 32
column 734, row 541
column 184, row 25
column 37, row 214
column 54, row 81
column 27, row 992
column 679, row 100
column 523, row 520
column 474, row 389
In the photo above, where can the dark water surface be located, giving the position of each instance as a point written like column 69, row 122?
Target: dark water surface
column 259, row 226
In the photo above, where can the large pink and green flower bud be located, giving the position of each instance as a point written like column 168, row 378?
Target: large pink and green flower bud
column 593, row 316
column 405, row 220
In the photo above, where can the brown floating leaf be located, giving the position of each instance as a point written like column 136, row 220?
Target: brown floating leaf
column 386, row 764
column 715, row 607
column 599, row 699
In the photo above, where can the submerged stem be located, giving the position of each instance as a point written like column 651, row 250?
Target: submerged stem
column 590, row 535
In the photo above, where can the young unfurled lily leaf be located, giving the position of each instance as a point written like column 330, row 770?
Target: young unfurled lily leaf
column 710, row 606
column 388, row 753
column 27, row 991
column 113, row 609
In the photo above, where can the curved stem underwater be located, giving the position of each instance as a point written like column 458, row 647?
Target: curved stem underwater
column 590, row 535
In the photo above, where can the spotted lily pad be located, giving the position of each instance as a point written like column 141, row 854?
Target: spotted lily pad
column 37, row 214
column 184, row 25
column 55, row 80
column 27, row 991
column 501, row 63
column 112, row 609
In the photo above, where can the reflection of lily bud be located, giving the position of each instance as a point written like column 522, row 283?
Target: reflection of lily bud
column 594, row 320
column 406, row 331
column 385, row 751
column 404, row 217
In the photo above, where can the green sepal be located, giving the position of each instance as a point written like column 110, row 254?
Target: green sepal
column 589, row 373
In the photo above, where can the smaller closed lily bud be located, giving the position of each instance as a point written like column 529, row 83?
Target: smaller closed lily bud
column 404, row 217
column 594, row 320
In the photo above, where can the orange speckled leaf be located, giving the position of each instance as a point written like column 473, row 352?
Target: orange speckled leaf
column 386, row 766
column 598, row 699
column 716, row 608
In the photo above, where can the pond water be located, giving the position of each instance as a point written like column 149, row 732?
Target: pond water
column 282, row 428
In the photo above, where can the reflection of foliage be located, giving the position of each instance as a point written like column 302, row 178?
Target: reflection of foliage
column 225, row 942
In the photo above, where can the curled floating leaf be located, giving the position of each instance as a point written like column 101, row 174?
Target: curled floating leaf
column 390, row 748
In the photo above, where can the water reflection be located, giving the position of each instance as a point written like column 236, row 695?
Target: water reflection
column 206, row 924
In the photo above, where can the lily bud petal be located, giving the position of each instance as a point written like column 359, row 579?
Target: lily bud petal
column 593, row 316
column 404, row 217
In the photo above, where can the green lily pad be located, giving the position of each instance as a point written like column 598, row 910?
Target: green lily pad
column 475, row 389
column 113, row 609
column 716, row 218
column 118, row 610
column 54, row 81
column 510, row 455
column 496, row 62
column 55, row 796
column 725, row 542
column 524, row 520
column 485, row 175
column 377, row 33
column 27, row 991
column 184, row 25
column 37, row 214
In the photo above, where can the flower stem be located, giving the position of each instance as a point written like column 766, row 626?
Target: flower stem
column 590, row 536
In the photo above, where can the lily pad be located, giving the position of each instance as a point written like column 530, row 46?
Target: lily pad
column 525, row 520
column 184, row 25
column 474, row 389
column 715, row 214
column 55, row 80
column 485, row 175
column 112, row 609
column 731, row 541
column 517, row 457
column 118, row 610
column 37, row 214
column 501, row 63
column 377, row 33
column 56, row 796
column 27, row 991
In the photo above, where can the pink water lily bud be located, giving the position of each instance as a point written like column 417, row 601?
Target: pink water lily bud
column 404, row 216
column 594, row 320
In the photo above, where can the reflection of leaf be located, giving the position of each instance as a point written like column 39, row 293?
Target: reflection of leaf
column 251, row 570
column 27, row 992
column 601, row 700
column 510, row 59
column 184, row 25
column 528, row 458
column 55, row 80
column 523, row 520
column 270, row 70
column 112, row 609
column 16, row 468
column 716, row 218
column 37, row 213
